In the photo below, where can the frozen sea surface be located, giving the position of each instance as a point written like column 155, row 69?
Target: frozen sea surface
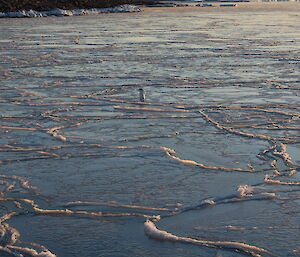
column 82, row 159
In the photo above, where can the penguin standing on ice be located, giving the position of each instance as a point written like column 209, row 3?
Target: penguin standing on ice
column 142, row 95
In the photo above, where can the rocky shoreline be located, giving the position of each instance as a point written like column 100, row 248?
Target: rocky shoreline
column 75, row 12
column 45, row 8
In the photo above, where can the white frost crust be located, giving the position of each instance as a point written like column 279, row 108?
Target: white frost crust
column 46, row 254
column 30, row 252
column 152, row 232
column 245, row 190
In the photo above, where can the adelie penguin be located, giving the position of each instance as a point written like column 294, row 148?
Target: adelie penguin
column 142, row 95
